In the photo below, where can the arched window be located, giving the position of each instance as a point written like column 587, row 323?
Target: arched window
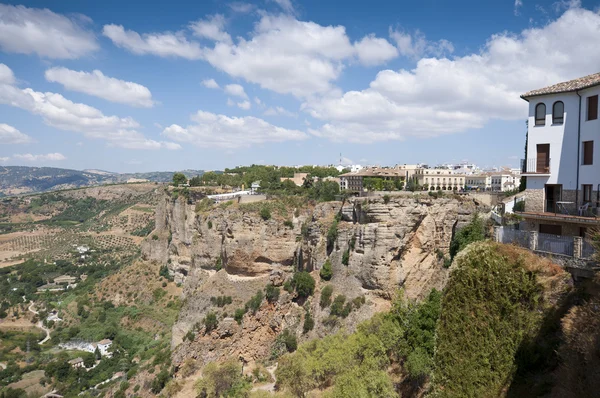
column 540, row 114
column 558, row 111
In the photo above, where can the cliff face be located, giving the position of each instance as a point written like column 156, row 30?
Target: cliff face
column 232, row 251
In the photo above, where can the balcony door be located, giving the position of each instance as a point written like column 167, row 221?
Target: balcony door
column 543, row 158
column 553, row 195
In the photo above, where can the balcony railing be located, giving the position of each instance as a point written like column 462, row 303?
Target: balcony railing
column 530, row 166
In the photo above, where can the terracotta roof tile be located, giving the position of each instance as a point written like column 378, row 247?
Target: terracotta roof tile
column 565, row 87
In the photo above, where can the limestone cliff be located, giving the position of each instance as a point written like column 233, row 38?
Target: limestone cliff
column 232, row 251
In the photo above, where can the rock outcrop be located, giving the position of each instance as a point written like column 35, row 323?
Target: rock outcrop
column 232, row 251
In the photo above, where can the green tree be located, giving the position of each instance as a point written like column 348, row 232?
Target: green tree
column 326, row 293
column 326, row 272
column 304, row 284
column 272, row 293
column 179, row 179
column 265, row 213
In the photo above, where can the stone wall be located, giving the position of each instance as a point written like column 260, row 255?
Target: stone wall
column 534, row 200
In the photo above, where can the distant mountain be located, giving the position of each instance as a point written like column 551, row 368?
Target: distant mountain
column 16, row 180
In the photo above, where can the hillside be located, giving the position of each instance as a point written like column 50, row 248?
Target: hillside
column 16, row 180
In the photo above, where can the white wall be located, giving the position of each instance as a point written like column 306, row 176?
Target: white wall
column 561, row 137
column 590, row 131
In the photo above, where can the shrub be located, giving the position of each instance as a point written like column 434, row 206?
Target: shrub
column 254, row 303
column 346, row 257
column 239, row 315
column 309, row 322
column 223, row 380
column 159, row 381
column 472, row 232
column 326, row 271
column 221, row 301
column 386, row 199
column 332, row 235
column 288, row 286
column 339, row 309
column 289, row 224
column 326, row 293
column 289, row 340
column 304, row 284
column 210, row 322
column 190, row 335
column 209, row 224
column 272, row 293
column 154, row 237
column 265, row 213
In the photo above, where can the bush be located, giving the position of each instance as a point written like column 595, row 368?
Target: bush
column 386, row 199
column 239, row 315
column 254, row 303
column 326, row 293
column 154, row 237
column 190, row 335
column 209, row 224
column 265, row 213
column 326, row 271
column 289, row 224
column 223, row 380
column 337, row 308
column 289, row 340
column 346, row 257
column 158, row 383
column 221, row 301
column 210, row 322
column 332, row 235
column 272, row 293
column 472, row 232
column 304, row 284
column 309, row 322
column 288, row 286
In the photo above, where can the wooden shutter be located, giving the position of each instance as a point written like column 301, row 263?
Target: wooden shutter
column 543, row 158
column 592, row 107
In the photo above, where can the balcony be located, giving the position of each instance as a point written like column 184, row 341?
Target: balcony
column 535, row 166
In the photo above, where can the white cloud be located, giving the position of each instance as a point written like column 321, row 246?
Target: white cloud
column 286, row 55
column 97, row 84
column 4, row 159
column 211, row 28
column 278, row 110
column 372, row 50
column 244, row 105
column 259, row 102
column 236, row 90
column 518, row 5
column 416, row 45
column 210, row 83
column 6, row 75
column 10, row 135
column 286, row 5
column 212, row 130
column 59, row 112
column 33, row 30
column 28, row 157
column 443, row 96
column 242, row 8
column 161, row 44
column 230, row 102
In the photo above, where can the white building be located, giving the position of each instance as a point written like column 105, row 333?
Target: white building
column 103, row 346
column 563, row 159
column 440, row 179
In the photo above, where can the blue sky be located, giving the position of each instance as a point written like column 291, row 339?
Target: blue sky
column 215, row 84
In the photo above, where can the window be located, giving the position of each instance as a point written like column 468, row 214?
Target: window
column 558, row 110
column 540, row 114
column 588, row 152
column 587, row 193
column 592, row 107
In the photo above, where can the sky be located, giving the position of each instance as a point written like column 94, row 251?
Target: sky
column 137, row 86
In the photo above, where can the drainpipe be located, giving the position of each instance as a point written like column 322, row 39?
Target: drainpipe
column 578, row 151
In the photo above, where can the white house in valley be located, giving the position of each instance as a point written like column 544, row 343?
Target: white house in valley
column 562, row 166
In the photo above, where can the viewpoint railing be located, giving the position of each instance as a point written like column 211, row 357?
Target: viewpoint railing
column 570, row 246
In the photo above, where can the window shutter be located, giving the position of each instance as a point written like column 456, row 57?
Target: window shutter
column 593, row 107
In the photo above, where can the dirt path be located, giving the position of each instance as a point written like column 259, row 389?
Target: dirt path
column 39, row 324
column 269, row 386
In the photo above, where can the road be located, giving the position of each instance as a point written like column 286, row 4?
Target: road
column 39, row 324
